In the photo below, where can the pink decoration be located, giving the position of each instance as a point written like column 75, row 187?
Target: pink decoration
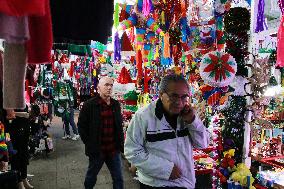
column 147, row 7
column 280, row 44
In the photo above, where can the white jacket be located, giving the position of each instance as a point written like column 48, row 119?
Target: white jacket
column 153, row 146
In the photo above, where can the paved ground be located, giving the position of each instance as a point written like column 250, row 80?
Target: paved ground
column 65, row 167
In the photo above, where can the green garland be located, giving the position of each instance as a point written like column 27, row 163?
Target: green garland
column 233, row 128
column 237, row 24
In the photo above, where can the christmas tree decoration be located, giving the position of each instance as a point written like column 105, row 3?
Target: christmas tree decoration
column 236, row 26
column 233, row 130
column 272, row 81
column 218, row 69
column 125, row 43
column 272, row 57
column 124, row 76
column 237, row 20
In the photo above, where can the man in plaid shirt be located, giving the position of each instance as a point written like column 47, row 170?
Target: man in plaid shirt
column 100, row 128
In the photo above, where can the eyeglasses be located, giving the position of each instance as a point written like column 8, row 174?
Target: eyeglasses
column 175, row 97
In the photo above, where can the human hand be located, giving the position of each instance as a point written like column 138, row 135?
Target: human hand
column 188, row 114
column 10, row 114
column 176, row 173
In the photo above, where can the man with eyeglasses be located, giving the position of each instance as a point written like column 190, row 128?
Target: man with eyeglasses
column 161, row 136
column 100, row 128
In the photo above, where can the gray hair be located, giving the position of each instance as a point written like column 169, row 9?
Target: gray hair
column 163, row 87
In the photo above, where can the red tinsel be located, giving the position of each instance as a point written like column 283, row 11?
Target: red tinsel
column 124, row 77
column 147, row 78
column 126, row 44
column 123, row 14
column 71, row 71
column 139, row 65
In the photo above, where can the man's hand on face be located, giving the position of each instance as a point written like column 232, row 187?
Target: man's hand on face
column 188, row 114
column 176, row 173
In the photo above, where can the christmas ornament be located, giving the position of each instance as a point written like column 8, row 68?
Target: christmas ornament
column 124, row 77
column 218, row 69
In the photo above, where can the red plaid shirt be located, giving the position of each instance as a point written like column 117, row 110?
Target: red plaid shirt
column 107, row 138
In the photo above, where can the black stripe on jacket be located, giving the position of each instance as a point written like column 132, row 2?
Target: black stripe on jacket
column 166, row 135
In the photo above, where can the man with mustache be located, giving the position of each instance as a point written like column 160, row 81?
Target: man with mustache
column 161, row 136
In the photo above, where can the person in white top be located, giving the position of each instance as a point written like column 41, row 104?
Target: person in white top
column 161, row 136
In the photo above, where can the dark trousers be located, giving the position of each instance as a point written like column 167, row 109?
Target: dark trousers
column 114, row 165
column 71, row 122
column 18, row 165
column 143, row 186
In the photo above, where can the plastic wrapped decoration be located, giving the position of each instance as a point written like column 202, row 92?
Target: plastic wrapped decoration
column 222, row 6
column 243, row 176
column 218, row 69
column 200, row 10
column 239, row 84
column 226, row 166
column 203, row 36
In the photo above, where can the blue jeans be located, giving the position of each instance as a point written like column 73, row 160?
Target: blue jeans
column 71, row 122
column 115, row 168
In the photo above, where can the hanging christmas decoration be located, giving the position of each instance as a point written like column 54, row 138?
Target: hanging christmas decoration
column 260, row 24
column 124, row 77
column 125, row 43
column 236, row 26
column 280, row 44
column 117, row 47
column 218, row 69
column 237, row 20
